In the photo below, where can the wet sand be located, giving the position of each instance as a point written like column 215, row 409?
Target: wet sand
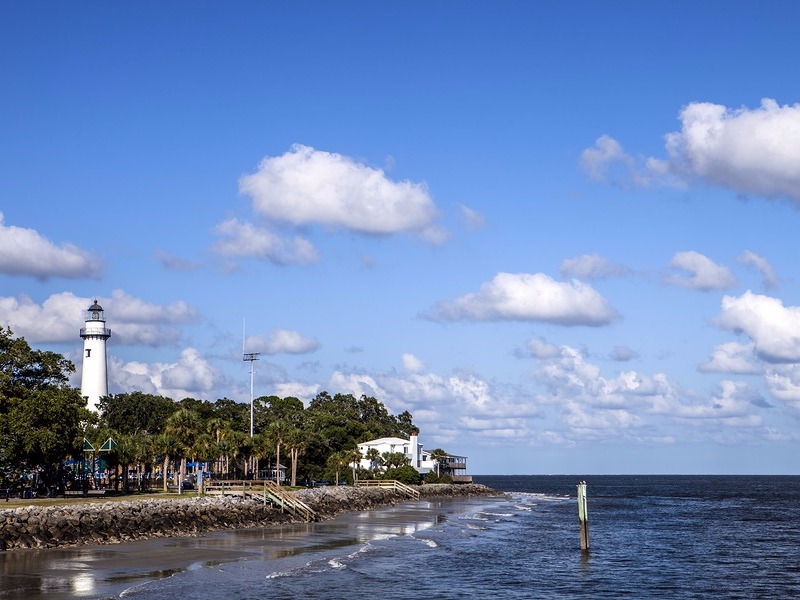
column 107, row 571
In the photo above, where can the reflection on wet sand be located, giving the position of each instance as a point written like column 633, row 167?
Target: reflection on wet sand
column 107, row 571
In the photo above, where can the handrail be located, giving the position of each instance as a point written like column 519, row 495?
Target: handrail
column 392, row 483
column 268, row 490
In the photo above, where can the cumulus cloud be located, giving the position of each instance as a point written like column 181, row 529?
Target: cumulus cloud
column 773, row 327
column 26, row 252
column 703, row 273
column 541, row 348
column 750, row 151
column 528, row 297
column 59, row 318
column 732, row 405
column 769, row 280
column 310, row 187
column 608, row 162
column 282, row 341
column 412, row 364
column 245, row 240
column 783, row 382
column 732, row 357
column 191, row 376
column 591, row 266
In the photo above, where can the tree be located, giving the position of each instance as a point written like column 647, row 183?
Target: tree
column 183, row 426
column 394, row 459
column 438, row 456
column 338, row 461
column 374, row 457
column 40, row 414
column 353, row 458
column 407, row 474
column 166, row 446
column 136, row 411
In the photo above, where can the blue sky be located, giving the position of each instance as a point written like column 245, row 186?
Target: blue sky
column 561, row 235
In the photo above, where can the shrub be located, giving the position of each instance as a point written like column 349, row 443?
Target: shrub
column 407, row 475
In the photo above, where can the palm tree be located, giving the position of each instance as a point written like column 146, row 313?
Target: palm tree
column 167, row 446
column 338, row 461
column 374, row 457
column 354, row 457
column 438, row 456
column 184, row 426
column 277, row 431
column 297, row 440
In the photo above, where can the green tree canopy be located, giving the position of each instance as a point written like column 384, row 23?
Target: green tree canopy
column 136, row 412
column 40, row 415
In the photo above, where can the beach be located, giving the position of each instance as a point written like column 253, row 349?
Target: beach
column 349, row 516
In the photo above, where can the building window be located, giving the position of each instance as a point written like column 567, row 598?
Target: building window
column 88, row 352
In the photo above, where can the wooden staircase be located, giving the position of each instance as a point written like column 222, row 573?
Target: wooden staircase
column 268, row 491
column 390, row 483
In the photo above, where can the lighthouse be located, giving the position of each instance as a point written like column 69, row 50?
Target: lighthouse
column 94, row 380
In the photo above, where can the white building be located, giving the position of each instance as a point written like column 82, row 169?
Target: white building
column 94, row 376
column 417, row 457
column 455, row 466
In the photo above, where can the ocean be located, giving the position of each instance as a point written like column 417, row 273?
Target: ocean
column 650, row 537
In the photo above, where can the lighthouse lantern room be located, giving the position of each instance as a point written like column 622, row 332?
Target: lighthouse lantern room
column 94, row 379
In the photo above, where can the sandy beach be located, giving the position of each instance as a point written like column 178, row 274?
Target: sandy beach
column 106, row 571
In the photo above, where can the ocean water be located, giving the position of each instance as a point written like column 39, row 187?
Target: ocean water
column 651, row 537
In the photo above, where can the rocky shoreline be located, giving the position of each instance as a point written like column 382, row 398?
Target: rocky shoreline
column 114, row 522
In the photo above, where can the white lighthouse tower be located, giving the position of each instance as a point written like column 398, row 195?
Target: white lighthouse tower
column 94, row 380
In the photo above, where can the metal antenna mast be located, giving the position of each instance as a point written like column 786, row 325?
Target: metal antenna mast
column 250, row 357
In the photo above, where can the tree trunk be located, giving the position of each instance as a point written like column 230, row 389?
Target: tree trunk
column 295, row 452
column 278, row 466
column 166, row 467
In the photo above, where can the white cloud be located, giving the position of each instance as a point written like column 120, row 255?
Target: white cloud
column 192, row 376
column 528, row 297
column 540, row 348
column 732, row 357
column 26, row 252
column 751, row 151
column 783, row 382
column 302, row 391
column 731, row 405
column 591, row 266
column 773, row 327
column 704, row 274
column 245, row 240
column 60, row 317
column 412, row 364
column 607, row 151
column 306, row 186
column 769, row 280
column 282, row 341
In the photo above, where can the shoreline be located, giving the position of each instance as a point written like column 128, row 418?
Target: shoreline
column 119, row 521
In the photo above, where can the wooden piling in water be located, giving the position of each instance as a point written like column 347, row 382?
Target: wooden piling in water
column 583, row 516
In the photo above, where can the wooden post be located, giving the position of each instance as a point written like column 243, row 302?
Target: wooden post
column 583, row 516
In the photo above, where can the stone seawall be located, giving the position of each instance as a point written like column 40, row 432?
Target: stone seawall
column 116, row 521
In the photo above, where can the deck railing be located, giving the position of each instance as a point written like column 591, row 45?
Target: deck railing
column 267, row 490
column 391, row 483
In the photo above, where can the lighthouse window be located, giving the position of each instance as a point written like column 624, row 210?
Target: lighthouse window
column 88, row 352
